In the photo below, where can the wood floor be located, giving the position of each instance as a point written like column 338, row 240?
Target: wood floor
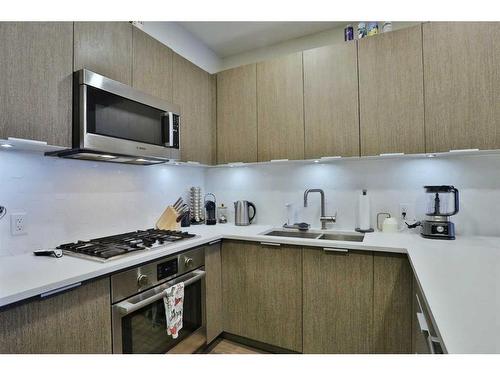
column 230, row 347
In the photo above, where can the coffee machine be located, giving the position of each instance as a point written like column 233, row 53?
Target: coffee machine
column 442, row 203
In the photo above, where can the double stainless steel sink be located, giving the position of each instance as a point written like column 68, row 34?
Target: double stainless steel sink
column 317, row 235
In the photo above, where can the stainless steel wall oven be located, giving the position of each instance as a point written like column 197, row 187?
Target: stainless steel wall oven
column 138, row 313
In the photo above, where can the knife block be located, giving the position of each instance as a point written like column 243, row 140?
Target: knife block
column 168, row 220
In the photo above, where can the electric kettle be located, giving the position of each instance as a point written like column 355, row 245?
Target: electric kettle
column 242, row 212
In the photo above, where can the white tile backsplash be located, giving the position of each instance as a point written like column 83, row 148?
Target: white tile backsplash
column 389, row 182
column 67, row 200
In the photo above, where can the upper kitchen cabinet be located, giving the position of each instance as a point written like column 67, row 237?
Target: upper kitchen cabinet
column 280, row 109
column 151, row 66
column 105, row 48
column 194, row 92
column 391, row 97
column 462, row 77
column 331, row 101
column 35, row 81
column 237, row 115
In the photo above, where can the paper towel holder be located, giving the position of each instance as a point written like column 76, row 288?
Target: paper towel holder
column 369, row 230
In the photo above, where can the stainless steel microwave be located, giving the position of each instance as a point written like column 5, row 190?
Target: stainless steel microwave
column 116, row 123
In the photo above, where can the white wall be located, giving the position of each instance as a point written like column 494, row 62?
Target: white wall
column 184, row 43
column 69, row 200
column 389, row 183
column 190, row 47
column 323, row 38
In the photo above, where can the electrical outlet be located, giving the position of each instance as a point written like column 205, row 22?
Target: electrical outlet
column 18, row 223
column 404, row 213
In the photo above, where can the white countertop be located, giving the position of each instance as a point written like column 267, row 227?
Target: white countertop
column 460, row 279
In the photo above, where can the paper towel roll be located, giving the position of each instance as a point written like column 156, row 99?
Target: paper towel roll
column 364, row 211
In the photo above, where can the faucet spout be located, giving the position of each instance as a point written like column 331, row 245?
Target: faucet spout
column 322, row 193
column 323, row 218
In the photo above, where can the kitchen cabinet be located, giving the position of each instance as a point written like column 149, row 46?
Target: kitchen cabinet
column 392, row 303
column 151, row 66
column 104, row 48
column 280, row 108
column 331, row 116
column 419, row 342
column 462, row 76
column 213, row 281
column 77, row 321
column 35, row 81
column 391, row 101
column 194, row 92
column 237, row 115
column 262, row 293
column 338, row 301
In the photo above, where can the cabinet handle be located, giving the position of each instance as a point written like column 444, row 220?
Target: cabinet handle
column 270, row 244
column 424, row 328
column 59, row 290
column 335, row 250
column 213, row 242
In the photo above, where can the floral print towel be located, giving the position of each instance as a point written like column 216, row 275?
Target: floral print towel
column 174, row 301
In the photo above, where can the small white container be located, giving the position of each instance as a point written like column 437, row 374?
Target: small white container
column 390, row 225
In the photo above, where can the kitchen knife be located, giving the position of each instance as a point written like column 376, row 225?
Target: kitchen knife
column 178, row 203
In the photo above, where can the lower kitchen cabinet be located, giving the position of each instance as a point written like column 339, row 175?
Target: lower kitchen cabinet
column 213, row 290
column 76, row 321
column 392, row 303
column 262, row 293
column 338, row 301
column 419, row 343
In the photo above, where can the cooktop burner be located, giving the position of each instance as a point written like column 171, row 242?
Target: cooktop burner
column 105, row 248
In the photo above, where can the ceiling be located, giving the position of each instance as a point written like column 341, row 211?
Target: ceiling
column 231, row 38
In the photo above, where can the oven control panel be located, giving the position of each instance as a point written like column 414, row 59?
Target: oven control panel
column 137, row 279
column 167, row 269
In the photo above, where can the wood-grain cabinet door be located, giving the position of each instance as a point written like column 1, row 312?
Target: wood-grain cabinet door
column 392, row 303
column 391, row 100
column 213, row 264
column 462, row 80
column 193, row 91
column 331, row 116
column 262, row 293
column 35, row 81
column 338, row 301
column 280, row 109
column 237, row 115
column 104, row 48
column 77, row 321
column 151, row 66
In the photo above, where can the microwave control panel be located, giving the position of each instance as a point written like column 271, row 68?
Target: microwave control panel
column 175, row 130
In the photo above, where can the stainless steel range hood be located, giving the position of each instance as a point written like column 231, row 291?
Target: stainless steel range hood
column 113, row 122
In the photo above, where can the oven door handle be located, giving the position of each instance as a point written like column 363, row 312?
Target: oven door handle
column 126, row 307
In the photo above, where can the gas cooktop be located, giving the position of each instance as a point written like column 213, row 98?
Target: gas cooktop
column 112, row 247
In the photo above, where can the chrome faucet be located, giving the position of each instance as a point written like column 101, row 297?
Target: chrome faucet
column 323, row 218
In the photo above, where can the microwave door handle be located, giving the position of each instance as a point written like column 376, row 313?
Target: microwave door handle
column 167, row 123
column 126, row 307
